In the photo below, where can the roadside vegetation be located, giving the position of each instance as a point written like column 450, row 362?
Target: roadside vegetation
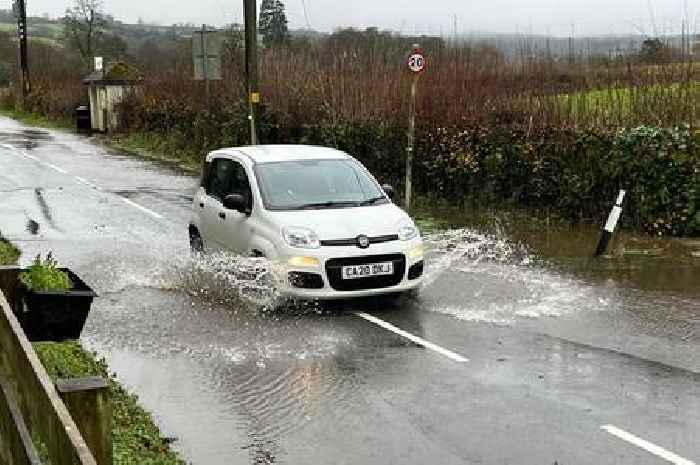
column 556, row 135
column 136, row 438
column 9, row 254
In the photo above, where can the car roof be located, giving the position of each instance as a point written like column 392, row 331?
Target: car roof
column 278, row 153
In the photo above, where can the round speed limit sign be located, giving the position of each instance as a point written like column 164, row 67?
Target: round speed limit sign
column 416, row 62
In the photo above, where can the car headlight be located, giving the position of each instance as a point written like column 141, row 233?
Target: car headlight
column 408, row 231
column 301, row 238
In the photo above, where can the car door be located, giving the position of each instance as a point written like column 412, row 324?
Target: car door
column 210, row 202
column 233, row 228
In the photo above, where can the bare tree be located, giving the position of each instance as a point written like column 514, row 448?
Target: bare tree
column 83, row 26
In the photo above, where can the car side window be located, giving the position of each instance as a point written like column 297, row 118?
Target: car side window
column 227, row 177
column 239, row 183
column 219, row 178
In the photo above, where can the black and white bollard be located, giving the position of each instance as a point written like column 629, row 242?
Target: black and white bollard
column 610, row 226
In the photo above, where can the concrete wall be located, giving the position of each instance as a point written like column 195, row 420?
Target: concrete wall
column 46, row 416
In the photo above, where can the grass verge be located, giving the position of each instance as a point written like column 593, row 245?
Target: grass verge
column 155, row 147
column 136, row 438
column 9, row 254
column 34, row 119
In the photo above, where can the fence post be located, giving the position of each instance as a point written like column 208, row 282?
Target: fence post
column 90, row 405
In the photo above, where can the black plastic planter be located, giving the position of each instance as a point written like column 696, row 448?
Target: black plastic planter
column 54, row 316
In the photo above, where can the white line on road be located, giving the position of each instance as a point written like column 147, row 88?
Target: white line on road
column 143, row 209
column 81, row 180
column 87, row 183
column 418, row 340
column 55, row 168
column 646, row 445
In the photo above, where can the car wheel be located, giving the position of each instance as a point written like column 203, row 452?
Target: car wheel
column 196, row 243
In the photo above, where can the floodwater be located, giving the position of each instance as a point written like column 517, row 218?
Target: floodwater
column 559, row 343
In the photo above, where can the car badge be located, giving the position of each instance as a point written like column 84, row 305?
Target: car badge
column 362, row 242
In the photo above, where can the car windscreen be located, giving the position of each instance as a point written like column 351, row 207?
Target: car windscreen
column 315, row 184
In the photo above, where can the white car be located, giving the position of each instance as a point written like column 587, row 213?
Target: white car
column 315, row 210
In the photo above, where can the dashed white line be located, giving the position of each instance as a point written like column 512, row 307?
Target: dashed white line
column 143, row 209
column 81, row 180
column 55, row 168
column 87, row 183
column 646, row 445
column 415, row 339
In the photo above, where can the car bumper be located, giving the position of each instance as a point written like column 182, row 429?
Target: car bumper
column 318, row 262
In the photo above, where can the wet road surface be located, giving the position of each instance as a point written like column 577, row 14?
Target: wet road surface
column 555, row 359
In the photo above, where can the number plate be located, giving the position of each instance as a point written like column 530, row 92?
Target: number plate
column 367, row 271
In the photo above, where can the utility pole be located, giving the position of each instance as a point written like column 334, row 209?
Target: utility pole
column 205, row 65
column 20, row 9
column 251, row 66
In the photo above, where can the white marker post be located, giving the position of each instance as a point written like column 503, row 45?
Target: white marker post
column 611, row 224
column 416, row 63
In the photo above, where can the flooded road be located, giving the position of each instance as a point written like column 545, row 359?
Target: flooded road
column 560, row 351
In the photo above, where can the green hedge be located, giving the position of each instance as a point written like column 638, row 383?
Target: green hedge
column 568, row 172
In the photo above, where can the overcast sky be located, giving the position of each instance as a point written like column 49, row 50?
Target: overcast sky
column 557, row 17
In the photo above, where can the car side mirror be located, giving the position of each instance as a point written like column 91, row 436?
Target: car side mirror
column 388, row 190
column 236, row 202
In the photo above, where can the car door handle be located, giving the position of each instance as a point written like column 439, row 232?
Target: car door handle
column 222, row 215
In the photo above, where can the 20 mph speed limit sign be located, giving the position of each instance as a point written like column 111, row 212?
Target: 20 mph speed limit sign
column 416, row 62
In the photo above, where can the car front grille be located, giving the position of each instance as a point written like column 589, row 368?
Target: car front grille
column 334, row 269
column 352, row 242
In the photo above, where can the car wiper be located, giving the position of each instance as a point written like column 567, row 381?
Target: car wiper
column 309, row 206
column 371, row 201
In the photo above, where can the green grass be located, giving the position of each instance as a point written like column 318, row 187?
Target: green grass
column 136, row 438
column 155, row 147
column 9, row 254
column 623, row 102
column 36, row 120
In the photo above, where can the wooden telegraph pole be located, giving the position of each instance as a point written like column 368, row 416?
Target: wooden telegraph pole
column 251, row 62
column 20, row 9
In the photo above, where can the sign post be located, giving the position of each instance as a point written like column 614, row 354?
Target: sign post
column 206, row 49
column 416, row 63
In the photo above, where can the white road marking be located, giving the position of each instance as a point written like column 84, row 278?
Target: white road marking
column 143, row 209
column 87, row 183
column 418, row 340
column 646, row 445
column 55, row 168
column 81, row 180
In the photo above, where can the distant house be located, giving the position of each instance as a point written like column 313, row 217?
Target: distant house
column 107, row 89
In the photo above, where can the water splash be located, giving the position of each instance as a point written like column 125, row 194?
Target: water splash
column 492, row 279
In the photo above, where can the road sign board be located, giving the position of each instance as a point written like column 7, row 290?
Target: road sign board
column 416, row 62
column 206, row 50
